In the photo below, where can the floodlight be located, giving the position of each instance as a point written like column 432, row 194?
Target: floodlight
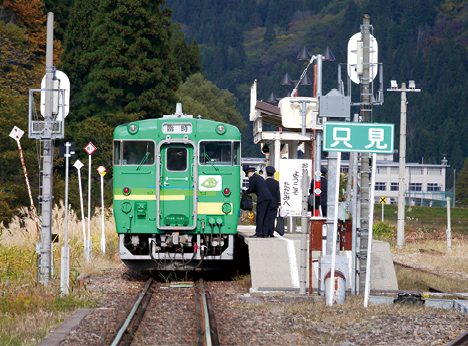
column 286, row 80
column 412, row 84
column 304, row 55
column 306, row 80
column 328, row 55
column 272, row 98
column 394, row 84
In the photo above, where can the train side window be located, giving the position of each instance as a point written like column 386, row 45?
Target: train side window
column 176, row 159
column 215, row 153
column 138, row 153
column 236, row 153
column 117, row 151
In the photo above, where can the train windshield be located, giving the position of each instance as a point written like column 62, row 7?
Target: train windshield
column 219, row 153
column 134, row 153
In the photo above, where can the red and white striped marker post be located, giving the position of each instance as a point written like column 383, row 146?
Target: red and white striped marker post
column 16, row 134
column 90, row 149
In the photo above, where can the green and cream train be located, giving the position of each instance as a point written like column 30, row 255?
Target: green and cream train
column 176, row 192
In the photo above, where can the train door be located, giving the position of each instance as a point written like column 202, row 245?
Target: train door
column 177, row 186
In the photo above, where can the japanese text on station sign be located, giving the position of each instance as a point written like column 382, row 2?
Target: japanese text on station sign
column 290, row 178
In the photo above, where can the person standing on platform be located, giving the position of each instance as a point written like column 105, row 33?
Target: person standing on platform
column 258, row 186
column 273, row 186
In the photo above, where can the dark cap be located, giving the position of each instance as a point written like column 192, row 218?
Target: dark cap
column 323, row 169
column 270, row 170
column 248, row 169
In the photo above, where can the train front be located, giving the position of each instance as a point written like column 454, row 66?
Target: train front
column 176, row 192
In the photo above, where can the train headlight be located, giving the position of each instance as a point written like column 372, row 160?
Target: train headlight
column 226, row 208
column 126, row 191
column 133, row 128
column 226, row 191
column 220, row 129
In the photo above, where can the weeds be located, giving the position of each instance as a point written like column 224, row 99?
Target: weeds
column 28, row 310
column 243, row 280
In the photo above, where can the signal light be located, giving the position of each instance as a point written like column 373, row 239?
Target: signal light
column 226, row 191
column 126, row 191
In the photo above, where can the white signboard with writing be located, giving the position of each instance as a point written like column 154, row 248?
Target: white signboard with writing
column 290, row 178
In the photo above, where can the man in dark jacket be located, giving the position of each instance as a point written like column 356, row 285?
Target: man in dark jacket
column 258, row 186
column 273, row 186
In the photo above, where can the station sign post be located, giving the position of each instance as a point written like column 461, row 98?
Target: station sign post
column 364, row 138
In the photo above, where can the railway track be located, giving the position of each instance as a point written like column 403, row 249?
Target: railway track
column 462, row 339
column 206, row 329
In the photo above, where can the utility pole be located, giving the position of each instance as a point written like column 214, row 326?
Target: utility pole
column 366, row 113
column 45, row 265
column 402, row 161
column 55, row 96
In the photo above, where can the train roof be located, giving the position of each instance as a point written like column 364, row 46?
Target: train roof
column 157, row 126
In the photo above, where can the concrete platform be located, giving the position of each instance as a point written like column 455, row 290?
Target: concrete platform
column 275, row 262
column 57, row 335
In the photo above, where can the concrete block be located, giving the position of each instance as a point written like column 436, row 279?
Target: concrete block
column 383, row 276
column 461, row 306
column 380, row 300
column 438, row 303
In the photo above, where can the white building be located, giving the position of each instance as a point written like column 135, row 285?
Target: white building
column 424, row 183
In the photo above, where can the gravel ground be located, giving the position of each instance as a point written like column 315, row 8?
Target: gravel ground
column 260, row 319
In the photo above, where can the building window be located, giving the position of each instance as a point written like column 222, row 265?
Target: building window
column 394, row 170
column 416, row 187
column 381, row 170
column 380, row 186
column 433, row 187
column 344, row 169
column 416, row 171
column 394, row 186
column 434, row 171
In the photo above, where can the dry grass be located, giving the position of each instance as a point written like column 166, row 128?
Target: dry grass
column 455, row 261
column 29, row 311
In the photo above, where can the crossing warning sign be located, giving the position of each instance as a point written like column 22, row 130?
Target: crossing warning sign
column 383, row 200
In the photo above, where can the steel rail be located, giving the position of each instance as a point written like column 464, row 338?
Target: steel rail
column 461, row 340
column 207, row 331
column 136, row 312
column 435, row 289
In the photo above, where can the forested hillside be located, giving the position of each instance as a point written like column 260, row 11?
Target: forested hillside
column 129, row 59
column 422, row 40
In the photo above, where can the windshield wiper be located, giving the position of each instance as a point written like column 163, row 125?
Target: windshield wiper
column 143, row 161
column 211, row 161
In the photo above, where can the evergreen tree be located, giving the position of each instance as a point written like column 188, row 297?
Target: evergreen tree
column 132, row 69
column 77, row 42
column 270, row 34
column 462, row 187
column 187, row 57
